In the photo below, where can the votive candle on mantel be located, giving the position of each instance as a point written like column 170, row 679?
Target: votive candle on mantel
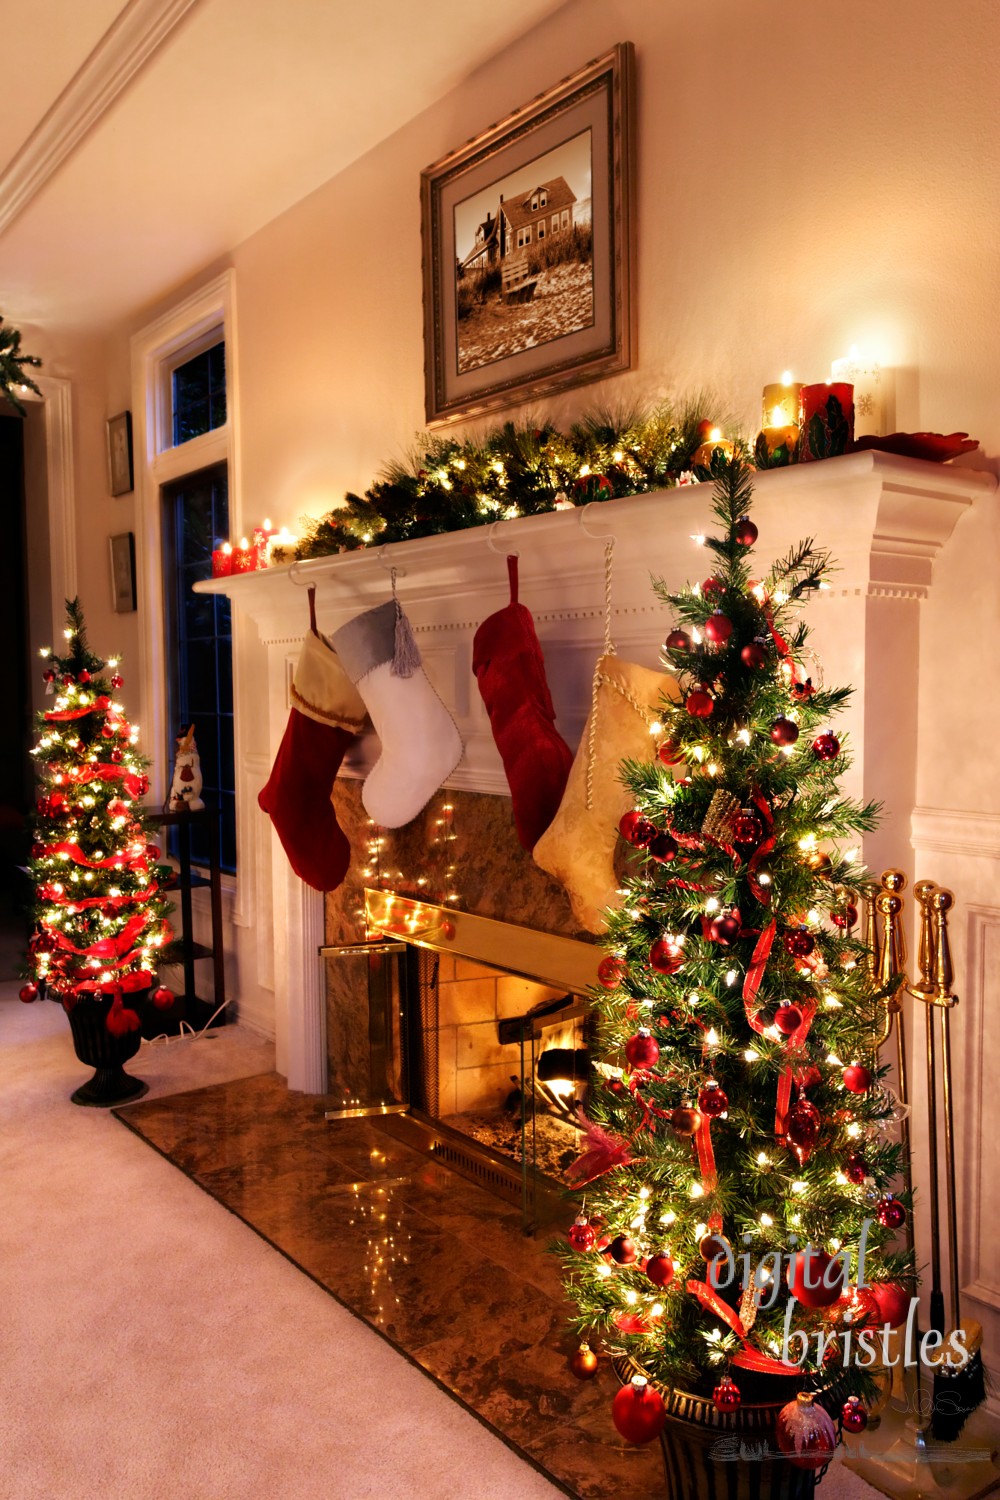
column 244, row 558
column 283, row 545
column 222, row 560
column 262, row 536
column 781, row 402
column 826, row 420
column 869, row 381
column 775, row 447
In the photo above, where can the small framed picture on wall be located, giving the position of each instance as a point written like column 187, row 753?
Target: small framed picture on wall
column 120, row 453
column 527, row 246
column 123, row 572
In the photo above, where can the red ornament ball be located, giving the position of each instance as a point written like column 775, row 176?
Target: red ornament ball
column 685, row 1120
column 623, row 1251
column 638, row 1411
column 713, row 586
column 642, row 1050
column 712, row 1100
column 747, row 829
column 84, row 676
column 788, row 1018
column 28, row 993
column 663, row 848
column 892, row 1301
column 853, row 1416
column 826, row 747
column 754, row 655
column 711, row 1247
column 799, row 942
column 582, row 1235
column 669, row 753
column 666, row 956
column 117, row 682
column 891, row 1213
column 805, row 1433
column 68, row 679
column 49, row 675
column 162, row 998
column 37, row 851
column 784, row 731
column 700, row 704
column 857, row 1078
column 718, row 627
column 815, row 1278
column 847, row 916
column 802, row 1128
column 660, row 1269
column 583, row 1363
column 855, row 1169
column 745, row 532
column 725, row 930
column 678, row 640
column 611, row 971
column 726, row 1395
column 116, row 757
column 636, row 829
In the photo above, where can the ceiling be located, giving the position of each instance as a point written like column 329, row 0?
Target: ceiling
column 140, row 142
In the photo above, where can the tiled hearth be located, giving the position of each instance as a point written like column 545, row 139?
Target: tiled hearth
column 437, row 1265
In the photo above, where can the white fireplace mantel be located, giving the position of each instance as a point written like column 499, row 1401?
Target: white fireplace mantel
column 884, row 518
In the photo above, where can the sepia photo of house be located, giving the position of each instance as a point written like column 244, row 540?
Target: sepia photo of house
column 528, row 277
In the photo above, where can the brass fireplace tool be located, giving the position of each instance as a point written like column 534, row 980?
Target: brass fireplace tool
column 958, row 1377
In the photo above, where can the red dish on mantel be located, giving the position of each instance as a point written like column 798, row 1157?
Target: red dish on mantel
column 936, row 446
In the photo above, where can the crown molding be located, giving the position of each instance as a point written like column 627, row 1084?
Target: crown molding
column 140, row 29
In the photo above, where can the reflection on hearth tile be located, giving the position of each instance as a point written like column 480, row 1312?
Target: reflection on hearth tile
column 589, row 1457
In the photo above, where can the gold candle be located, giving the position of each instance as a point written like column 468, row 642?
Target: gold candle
column 781, row 402
column 775, row 446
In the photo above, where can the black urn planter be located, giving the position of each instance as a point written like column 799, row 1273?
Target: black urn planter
column 106, row 1054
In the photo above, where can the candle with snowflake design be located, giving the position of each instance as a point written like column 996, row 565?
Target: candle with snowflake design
column 869, row 380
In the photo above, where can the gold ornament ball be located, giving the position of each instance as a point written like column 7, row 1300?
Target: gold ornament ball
column 583, row 1362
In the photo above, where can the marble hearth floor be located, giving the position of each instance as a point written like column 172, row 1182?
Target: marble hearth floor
column 434, row 1263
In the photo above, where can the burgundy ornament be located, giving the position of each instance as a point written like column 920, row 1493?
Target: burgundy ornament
column 713, row 586
column 815, row 1279
column 892, row 1301
column 857, row 1078
column 787, row 1018
column 636, row 829
column 784, row 731
column 678, row 640
column 662, row 848
column 805, row 1433
column 685, row 1120
column 116, row 757
column 712, row 1246
column 84, row 676
column 669, row 753
column 28, row 993
column 853, row 1416
column 700, row 704
column 747, row 829
column 799, row 942
column 68, row 679
column 754, row 655
column 891, row 1213
column 666, row 956
column 611, row 971
column 642, row 1050
column 745, row 532
column 117, row 682
column 638, row 1411
column 826, row 746
column 725, row 930
column 718, row 628
column 712, row 1100
column 582, row 1234
column 622, row 1250
column 855, row 1169
column 163, row 998
column 726, row 1395
column 847, row 916
column 660, row 1269
column 48, row 675
column 802, row 1127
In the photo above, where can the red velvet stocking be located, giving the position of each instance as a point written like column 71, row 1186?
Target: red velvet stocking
column 507, row 660
column 298, row 799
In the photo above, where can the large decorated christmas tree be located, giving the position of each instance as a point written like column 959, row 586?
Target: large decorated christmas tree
column 741, row 1164
column 99, row 909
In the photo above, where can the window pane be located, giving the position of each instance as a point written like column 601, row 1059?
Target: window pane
column 199, row 394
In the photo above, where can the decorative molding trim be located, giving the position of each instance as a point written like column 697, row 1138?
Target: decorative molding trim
column 140, row 29
column 973, row 834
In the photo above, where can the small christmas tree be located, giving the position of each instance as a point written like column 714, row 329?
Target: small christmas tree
column 739, row 1109
column 99, row 911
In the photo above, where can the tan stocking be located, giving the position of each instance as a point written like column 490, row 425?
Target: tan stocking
column 578, row 848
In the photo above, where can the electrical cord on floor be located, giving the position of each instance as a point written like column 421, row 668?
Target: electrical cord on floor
column 186, row 1033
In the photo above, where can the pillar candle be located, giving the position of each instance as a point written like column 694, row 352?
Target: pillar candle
column 262, row 536
column 775, row 446
column 781, row 402
column 826, row 420
column 702, row 455
column 283, row 545
column 869, row 381
column 222, row 561
column 244, row 558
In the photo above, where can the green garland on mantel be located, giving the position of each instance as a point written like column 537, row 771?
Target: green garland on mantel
column 517, row 470
column 12, row 367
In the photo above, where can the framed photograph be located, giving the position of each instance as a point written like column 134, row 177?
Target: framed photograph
column 120, row 453
column 123, row 572
column 527, row 243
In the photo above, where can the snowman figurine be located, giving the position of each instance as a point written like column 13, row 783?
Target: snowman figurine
column 185, row 790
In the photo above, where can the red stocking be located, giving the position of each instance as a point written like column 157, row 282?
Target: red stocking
column 507, row 660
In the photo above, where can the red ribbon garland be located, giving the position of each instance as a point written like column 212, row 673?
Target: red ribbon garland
column 81, row 775
column 113, row 862
column 749, row 1358
column 99, row 705
column 82, row 903
column 105, row 948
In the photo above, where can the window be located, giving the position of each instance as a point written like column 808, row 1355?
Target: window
column 534, row 203
column 555, row 223
column 198, row 394
column 524, row 236
column 200, row 661
column 565, row 218
column 541, row 229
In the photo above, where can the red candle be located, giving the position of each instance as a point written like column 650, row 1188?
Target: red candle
column 262, row 542
column 826, row 420
column 244, row 557
column 222, row 561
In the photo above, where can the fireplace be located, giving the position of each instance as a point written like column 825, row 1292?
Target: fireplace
column 476, row 1042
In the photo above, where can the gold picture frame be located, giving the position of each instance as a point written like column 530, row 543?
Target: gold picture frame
column 120, row 476
column 122, row 555
column 528, row 235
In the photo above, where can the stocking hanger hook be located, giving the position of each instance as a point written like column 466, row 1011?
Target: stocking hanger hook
column 293, row 574
column 492, row 544
column 389, row 567
column 608, row 536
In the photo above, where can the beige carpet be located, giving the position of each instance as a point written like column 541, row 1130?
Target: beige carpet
column 152, row 1347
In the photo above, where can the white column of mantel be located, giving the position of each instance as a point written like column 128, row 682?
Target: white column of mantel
column 884, row 519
